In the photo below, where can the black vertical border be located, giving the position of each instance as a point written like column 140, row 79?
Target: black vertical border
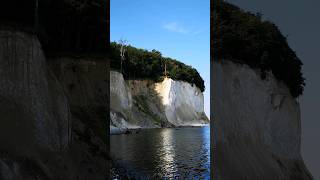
column 106, row 32
column 213, row 57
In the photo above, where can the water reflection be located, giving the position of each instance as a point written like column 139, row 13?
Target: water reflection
column 167, row 154
column 164, row 153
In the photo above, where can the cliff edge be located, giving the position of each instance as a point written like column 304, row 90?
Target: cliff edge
column 53, row 112
column 257, row 126
column 54, row 84
column 256, row 82
column 148, row 104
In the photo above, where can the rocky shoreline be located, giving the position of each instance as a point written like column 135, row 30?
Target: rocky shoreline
column 118, row 131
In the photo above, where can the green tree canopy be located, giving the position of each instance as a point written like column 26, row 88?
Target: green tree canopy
column 243, row 37
column 143, row 64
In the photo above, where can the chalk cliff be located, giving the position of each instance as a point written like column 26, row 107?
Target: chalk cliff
column 53, row 112
column 256, row 125
column 147, row 104
column 54, row 80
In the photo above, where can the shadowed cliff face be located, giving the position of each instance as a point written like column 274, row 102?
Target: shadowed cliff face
column 53, row 110
column 26, row 81
column 134, row 104
column 85, row 81
column 256, row 126
column 53, row 113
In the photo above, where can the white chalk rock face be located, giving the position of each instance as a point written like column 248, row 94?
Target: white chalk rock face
column 146, row 104
column 120, row 103
column 256, row 125
column 183, row 102
column 121, row 99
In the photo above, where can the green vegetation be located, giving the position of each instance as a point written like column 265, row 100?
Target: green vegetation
column 245, row 38
column 143, row 64
column 142, row 104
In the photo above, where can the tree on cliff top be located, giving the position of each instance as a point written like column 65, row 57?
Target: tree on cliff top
column 243, row 37
column 143, row 64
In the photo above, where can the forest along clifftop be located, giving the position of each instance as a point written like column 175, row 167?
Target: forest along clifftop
column 244, row 38
column 256, row 81
column 54, row 81
column 153, row 91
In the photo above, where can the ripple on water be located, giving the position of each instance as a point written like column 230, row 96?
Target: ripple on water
column 164, row 153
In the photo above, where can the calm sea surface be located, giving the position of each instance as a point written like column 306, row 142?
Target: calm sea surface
column 170, row 153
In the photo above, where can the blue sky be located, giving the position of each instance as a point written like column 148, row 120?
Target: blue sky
column 179, row 29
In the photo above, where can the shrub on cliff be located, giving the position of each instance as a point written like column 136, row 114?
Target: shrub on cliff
column 243, row 37
column 141, row 64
